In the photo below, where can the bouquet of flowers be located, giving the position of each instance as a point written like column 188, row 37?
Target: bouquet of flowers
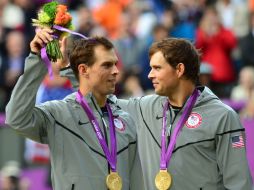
column 52, row 14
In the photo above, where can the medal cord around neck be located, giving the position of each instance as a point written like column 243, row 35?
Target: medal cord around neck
column 104, row 127
column 172, row 120
column 167, row 152
column 110, row 155
column 176, row 110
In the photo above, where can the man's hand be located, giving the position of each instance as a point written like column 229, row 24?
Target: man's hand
column 41, row 38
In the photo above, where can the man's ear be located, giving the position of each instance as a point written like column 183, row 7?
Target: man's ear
column 83, row 70
column 180, row 68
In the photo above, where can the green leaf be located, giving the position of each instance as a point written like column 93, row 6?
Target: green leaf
column 50, row 9
column 53, row 50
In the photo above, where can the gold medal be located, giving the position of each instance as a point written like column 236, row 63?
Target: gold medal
column 114, row 181
column 163, row 180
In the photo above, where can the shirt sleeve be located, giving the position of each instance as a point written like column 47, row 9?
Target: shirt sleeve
column 21, row 113
column 231, row 154
column 131, row 106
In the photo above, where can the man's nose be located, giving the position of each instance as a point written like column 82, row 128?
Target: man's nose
column 115, row 70
column 150, row 75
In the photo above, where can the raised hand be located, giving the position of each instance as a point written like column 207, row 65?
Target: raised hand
column 41, row 38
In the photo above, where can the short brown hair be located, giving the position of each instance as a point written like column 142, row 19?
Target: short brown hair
column 178, row 50
column 83, row 51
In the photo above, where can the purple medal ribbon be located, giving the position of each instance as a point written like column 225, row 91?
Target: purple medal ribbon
column 166, row 156
column 69, row 31
column 47, row 62
column 111, row 158
column 44, row 55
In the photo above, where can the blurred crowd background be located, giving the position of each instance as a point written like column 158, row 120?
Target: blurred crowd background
column 222, row 29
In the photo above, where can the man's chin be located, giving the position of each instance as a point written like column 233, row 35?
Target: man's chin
column 158, row 93
column 111, row 91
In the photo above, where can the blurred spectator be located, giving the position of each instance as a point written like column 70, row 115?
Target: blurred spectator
column 55, row 88
column 128, row 46
column 168, row 19
column 251, row 5
column 188, row 14
column 85, row 21
column 159, row 6
column 71, row 4
column 36, row 153
column 11, row 177
column 216, row 44
column 94, row 4
column 142, row 17
column 242, row 92
column 13, row 17
column 3, row 3
column 234, row 16
column 15, row 57
column 205, row 74
column 159, row 32
column 29, row 11
column 108, row 15
column 189, row 10
column 3, row 95
column 12, row 63
column 246, row 45
column 132, row 87
column 86, row 24
column 1, row 37
column 2, row 84
column 248, row 111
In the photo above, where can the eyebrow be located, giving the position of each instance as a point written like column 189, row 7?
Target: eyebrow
column 110, row 62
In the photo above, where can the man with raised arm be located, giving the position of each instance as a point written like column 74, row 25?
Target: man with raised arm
column 92, row 141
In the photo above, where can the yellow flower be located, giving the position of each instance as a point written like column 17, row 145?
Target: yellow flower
column 44, row 17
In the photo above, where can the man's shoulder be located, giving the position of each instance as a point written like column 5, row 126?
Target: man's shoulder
column 70, row 98
column 142, row 99
column 210, row 101
column 59, row 105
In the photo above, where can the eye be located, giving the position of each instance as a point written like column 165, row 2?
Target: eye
column 157, row 68
column 107, row 64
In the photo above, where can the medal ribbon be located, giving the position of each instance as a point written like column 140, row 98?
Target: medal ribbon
column 69, row 31
column 166, row 156
column 47, row 62
column 111, row 158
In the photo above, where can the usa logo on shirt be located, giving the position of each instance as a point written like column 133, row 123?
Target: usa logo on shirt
column 193, row 121
column 119, row 124
column 237, row 141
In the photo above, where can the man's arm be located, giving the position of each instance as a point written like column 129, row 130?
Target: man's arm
column 132, row 106
column 231, row 154
column 21, row 113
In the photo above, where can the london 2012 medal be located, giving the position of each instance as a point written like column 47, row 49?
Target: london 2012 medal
column 114, row 181
column 163, row 180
